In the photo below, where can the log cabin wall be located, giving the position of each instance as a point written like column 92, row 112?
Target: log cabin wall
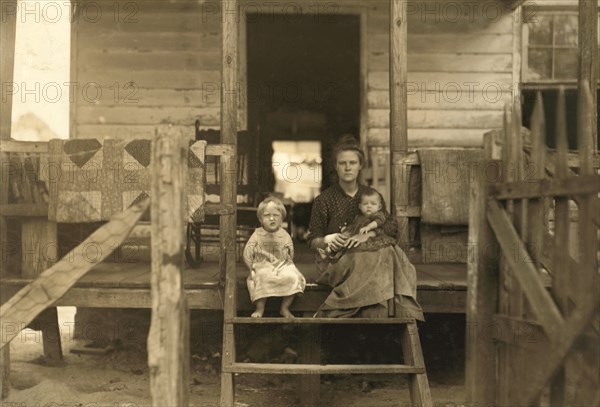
column 159, row 62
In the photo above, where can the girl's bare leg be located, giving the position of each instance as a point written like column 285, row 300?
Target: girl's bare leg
column 285, row 306
column 260, row 308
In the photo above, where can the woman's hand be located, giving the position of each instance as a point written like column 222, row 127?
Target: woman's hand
column 356, row 240
column 336, row 241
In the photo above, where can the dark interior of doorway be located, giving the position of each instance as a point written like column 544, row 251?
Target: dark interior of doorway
column 303, row 84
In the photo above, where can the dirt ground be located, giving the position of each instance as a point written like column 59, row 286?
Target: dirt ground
column 119, row 378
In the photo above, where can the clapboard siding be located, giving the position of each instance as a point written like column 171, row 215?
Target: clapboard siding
column 460, row 71
column 150, row 42
column 435, row 119
column 207, row 97
column 163, row 60
column 446, row 62
column 445, row 43
column 426, row 20
column 450, row 99
column 151, row 78
column 143, row 115
column 150, row 19
column 441, row 137
column 129, row 131
column 163, row 57
column 444, row 81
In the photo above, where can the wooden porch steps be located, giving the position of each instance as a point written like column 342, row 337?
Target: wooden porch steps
column 310, row 368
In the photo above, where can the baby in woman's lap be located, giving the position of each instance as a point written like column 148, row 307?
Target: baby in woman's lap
column 371, row 218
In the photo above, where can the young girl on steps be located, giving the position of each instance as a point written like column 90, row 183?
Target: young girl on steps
column 269, row 255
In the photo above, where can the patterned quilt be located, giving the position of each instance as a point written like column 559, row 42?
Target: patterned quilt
column 92, row 180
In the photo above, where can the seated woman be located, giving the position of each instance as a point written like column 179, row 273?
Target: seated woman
column 368, row 275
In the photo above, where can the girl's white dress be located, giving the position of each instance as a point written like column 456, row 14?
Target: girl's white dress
column 269, row 256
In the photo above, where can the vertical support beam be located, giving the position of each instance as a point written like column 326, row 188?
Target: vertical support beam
column 364, row 86
column 507, row 286
column 517, row 52
column 242, row 54
column 73, row 75
column 587, row 232
column 589, row 244
column 399, row 117
column 39, row 251
column 538, row 223
column 588, row 60
column 51, row 339
column 168, row 357
column 483, row 285
column 8, row 29
column 418, row 384
column 229, row 127
column 561, row 281
column 310, row 353
column 39, row 246
column 538, row 160
column 4, row 372
column 520, row 205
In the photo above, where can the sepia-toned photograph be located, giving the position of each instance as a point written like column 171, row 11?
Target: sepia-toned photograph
column 280, row 203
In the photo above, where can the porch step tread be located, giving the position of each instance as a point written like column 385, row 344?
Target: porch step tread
column 279, row 368
column 321, row 321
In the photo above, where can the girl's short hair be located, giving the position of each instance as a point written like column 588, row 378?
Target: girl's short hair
column 347, row 143
column 278, row 204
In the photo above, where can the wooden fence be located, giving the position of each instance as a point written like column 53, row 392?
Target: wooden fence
column 532, row 307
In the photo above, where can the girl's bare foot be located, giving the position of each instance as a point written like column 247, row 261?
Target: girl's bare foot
column 260, row 308
column 285, row 306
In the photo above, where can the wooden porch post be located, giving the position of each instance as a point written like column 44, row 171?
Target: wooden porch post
column 39, row 243
column 398, row 118
column 8, row 20
column 8, row 27
column 588, row 61
column 229, row 126
column 168, row 340
column 482, row 288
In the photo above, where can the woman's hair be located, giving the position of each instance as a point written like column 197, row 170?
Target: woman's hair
column 347, row 143
column 278, row 204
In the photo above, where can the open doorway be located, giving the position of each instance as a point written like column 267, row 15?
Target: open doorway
column 303, row 86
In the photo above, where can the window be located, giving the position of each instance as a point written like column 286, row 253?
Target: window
column 550, row 60
column 552, row 47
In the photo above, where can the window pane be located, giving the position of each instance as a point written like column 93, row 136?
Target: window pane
column 540, row 64
column 565, row 30
column 540, row 30
column 565, row 63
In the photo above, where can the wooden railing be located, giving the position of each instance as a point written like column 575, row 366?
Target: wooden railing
column 531, row 300
column 168, row 177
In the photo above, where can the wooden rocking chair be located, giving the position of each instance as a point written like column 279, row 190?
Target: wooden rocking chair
column 247, row 192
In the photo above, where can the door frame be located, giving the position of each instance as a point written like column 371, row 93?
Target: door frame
column 361, row 10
